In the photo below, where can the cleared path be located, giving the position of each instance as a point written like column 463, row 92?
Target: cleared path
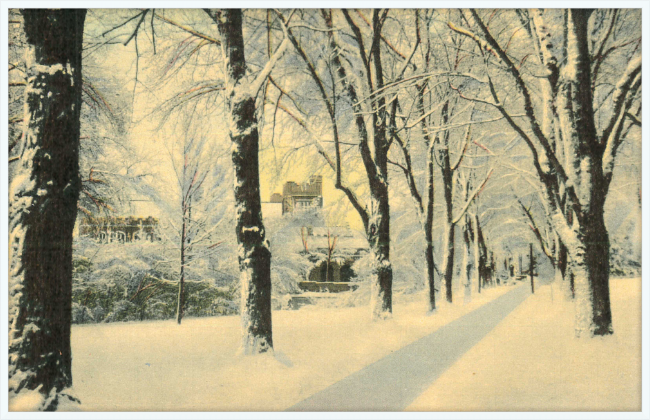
column 392, row 383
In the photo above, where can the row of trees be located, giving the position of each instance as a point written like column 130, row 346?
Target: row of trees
column 390, row 92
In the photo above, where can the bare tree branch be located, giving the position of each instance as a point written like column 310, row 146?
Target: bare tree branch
column 472, row 197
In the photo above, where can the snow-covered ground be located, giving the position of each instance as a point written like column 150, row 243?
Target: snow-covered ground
column 159, row 366
column 531, row 361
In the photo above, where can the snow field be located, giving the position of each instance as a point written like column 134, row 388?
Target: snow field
column 160, row 366
column 532, row 362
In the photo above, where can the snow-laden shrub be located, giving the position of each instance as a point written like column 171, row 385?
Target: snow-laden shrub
column 98, row 313
column 123, row 311
column 118, row 274
column 364, row 267
column 223, row 306
column 81, row 314
column 289, row 263
column 625, row 250
column 126, row 282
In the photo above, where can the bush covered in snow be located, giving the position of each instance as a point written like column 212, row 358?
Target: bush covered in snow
column 134, row 282
column 625, row 251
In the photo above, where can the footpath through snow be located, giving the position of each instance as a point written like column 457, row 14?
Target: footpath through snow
column 160, row 366
column 393, row 382
column 532, row 362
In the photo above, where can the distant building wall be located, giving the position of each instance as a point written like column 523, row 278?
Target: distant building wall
column 296, row 197
column 119, row 229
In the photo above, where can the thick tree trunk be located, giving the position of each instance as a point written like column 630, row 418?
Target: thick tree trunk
column 381, row 295
column 43, row 209
column 375, row 162
column 587, row 242
column 380, row 242
column 590, row 269
column 254, row 254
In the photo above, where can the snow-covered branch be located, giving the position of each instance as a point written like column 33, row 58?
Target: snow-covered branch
column 471, row 198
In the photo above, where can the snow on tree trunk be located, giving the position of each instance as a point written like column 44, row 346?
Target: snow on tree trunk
column 448, row 259
column 254, row 253
column 375, row 161
column 588, row 245
column 42, row 213
column 381, row 297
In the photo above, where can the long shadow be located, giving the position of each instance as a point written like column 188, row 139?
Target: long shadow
column 394, row 382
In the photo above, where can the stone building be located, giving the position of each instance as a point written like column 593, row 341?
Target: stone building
column 297, row 197
column 137, row 220
column 119, row 229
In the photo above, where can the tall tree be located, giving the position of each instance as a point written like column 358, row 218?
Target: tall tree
column 43, row 209
column 375, row 161
column 373, row 136
column 254, row 253
column 576, row 172
column 194, row 219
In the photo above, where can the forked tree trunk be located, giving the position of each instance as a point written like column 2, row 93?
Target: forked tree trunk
column 254, row 254
column 587, row 241
column 581, row 168
column 43, row 209
column 375, row 162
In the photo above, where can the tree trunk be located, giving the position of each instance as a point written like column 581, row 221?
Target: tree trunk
column 561, row 270
column 477, row 275
column 492, row 273
column 43, row 209
column 587, row 240
column 589, row 262
column 468, row 266
column 254, row 254
column 381, row 297
column 180, row 309
column 531, row 269
column 448, row 259
column 447, row 181
column 428, row 232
